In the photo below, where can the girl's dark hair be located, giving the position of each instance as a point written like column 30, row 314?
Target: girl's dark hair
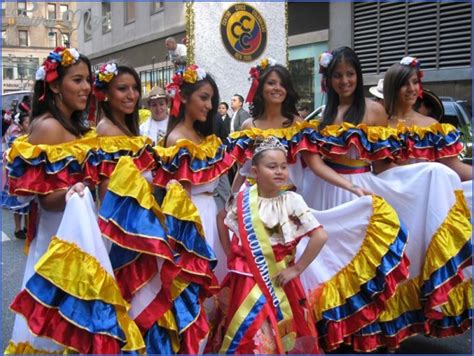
column 288, row 108
column 355, row 114
column 22, row 117
column 131, row 120
column 204, row 128
column 395, row 77
column 225, row 104
column 78, row 125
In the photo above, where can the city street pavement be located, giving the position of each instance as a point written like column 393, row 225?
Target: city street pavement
column 13, row 264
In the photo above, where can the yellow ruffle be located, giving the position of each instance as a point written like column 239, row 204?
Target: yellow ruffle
column 382, row 231
column 406, row 298
column 436, row 128
column 24, row 348
column 206, row 149
column 79, row 274
column 451, row 236
column 373, row 133
column 127, row 181
column 178, row 204
column 287, row 132
column 78, row 149
column 168, row 322
column 111, row 144
column 459, row 299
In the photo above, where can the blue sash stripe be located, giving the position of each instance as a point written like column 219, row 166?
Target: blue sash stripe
column 249, row 319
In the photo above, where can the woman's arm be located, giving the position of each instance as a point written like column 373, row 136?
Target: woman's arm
column 224, row 236
column 56, row 201
column 238, row 181
column 463, row 170
column 322, row 170
column 316, row 242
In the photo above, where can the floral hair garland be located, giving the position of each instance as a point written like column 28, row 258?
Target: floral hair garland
column 255, row 73
column 190, row 75
column 48, row 72
column 415, row 63
column 103, row 76
column 325, row 59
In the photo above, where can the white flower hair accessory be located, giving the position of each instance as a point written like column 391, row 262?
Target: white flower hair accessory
column 409, row 61
column 40, row 73
column 324, row 59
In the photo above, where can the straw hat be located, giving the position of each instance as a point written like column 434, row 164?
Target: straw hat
column 378, row 90
column 155, row 93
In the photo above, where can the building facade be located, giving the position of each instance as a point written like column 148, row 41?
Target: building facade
column 438, row 33
column 132, row 33
column 29, row 31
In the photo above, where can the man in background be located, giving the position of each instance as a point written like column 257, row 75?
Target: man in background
column 177, row 52
column 240, row 115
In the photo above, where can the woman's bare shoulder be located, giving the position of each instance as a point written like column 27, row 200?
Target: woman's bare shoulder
column 105, row 127
column 247, row 124
column 377, row 116
column 48, row 131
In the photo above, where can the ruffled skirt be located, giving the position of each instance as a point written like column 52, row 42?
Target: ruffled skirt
column 429, row 201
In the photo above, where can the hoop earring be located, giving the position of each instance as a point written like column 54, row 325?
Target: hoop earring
column 106, row 98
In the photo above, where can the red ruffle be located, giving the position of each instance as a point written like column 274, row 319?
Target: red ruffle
column 431, row 153
column 151, row 246
column 184, row 172
column 340, row 331
column 144, row 161
column 370, row 343
column 136, row 274
column 47, row 322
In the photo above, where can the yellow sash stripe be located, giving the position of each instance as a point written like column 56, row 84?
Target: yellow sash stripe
column 240, row 316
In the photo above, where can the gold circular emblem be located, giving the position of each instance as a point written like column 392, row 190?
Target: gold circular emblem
column 243, row 32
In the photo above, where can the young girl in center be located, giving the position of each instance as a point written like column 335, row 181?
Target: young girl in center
column 267, row 309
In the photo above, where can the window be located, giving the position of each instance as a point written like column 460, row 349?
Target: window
column 65, row 40
column 21, row 6
column 106, row 17
column 384, row 32
column 52, row 39
column 87, row 25
column 23, row 38
column 4, row 38
column 156, row 6
column 51, row 11
column 7, row 72
column 62, row 10
column 129, row 12
column 302, row 73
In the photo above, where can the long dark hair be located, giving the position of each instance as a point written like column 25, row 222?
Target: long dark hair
column 131, row 120
column 395, row 77
column 78, row 124
column 288, row 108
column 355, row 114
column 204, row 128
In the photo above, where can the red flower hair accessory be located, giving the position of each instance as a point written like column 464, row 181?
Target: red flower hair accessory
column 191, row 75
column 255, row 76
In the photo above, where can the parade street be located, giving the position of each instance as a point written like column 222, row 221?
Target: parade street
column 13, row 266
